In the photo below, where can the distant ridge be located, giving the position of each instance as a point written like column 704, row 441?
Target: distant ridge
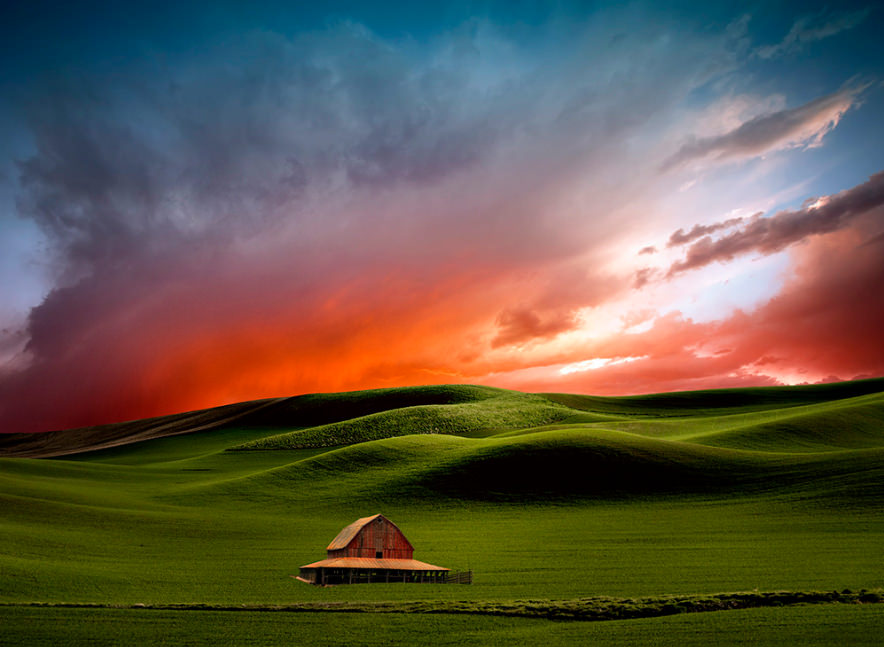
column 284, row 413
column 330, row 415
column 49, row 444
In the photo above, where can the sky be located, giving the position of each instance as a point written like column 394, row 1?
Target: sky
column 201, row 206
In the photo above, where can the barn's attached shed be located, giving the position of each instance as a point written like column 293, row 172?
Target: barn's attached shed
column 371, row 549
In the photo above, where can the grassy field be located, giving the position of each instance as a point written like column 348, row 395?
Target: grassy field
column 671, row 494
column 809, row 626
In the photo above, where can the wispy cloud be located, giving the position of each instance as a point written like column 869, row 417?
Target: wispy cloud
column 597, row 363
column 518, row 325
column 804, row 126
column 770, row 235
column 809, row 29
column 680, row 237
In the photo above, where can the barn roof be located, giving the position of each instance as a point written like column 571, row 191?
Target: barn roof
column 347, row 534
column 365, row 562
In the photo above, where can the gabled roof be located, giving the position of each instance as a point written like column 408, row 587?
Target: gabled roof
column 377, row 564
column 347, row 534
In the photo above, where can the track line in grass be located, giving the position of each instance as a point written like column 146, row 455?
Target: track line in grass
column 581, row 609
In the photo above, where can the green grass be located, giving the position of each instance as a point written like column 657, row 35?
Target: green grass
column 718, row 401
column 767, row 489
column 810, row 626
column 502, row 412
column 594, row 609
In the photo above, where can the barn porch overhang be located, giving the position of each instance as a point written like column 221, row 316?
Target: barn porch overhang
column 366, row 562
column 353, row 570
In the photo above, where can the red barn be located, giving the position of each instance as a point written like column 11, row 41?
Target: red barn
column 371, row 549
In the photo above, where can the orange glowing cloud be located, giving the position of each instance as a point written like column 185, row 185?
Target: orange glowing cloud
column 824, row 325
column 364, row 217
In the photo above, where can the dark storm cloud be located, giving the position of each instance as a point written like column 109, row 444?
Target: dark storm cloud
column 274, row 215
column 210, row 150
column 770, row 235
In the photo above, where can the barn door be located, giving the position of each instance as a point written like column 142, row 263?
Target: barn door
column 379, row 533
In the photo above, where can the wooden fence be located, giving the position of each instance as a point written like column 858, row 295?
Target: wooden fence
column 459, row 577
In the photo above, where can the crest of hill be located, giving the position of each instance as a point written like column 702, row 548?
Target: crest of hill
column 49, row 444
column 324, row 408
column 718, row 401
column 832, row 425
column 334, row 419
column 278, row 413
column 505, row 410
column 514, row 412
column 563, row 464
column 854, row 423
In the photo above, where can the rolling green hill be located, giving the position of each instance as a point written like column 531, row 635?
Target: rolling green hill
column 485, row 416
column 719, row 401
column 546, row 497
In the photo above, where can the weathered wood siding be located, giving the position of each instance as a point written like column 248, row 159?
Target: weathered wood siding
column 378, row 536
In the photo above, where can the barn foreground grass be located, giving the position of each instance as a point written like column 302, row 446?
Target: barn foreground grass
column 545, row 497
column 770, row 627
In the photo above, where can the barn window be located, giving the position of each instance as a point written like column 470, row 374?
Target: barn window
column 379, row 554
